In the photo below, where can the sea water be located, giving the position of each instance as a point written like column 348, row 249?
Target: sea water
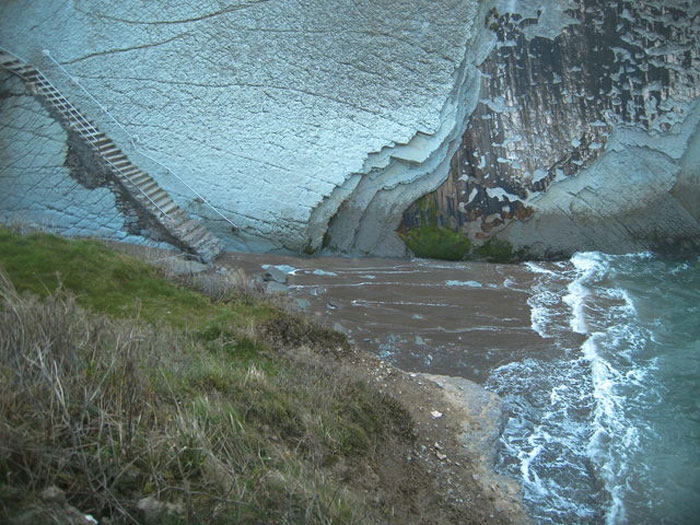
column 607, row 428
column 597, row 359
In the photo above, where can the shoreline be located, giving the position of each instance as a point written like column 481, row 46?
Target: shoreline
column 459, row 444
column 338, row 427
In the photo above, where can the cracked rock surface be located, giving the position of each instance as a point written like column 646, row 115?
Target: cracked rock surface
column 313, row 126
column 42, row 184
column 281, row 114
column 586, row 132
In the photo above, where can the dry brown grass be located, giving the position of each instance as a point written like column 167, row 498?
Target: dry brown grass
column 212, row 420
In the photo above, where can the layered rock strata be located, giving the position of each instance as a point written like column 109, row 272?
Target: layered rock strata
column 290, row 127
column 111, row 167
column 586, row 131
column 277, row 113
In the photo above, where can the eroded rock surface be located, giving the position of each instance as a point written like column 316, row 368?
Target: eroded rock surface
column 481, row 417
column 275, row 112
column 585, row 130
column 300, row 126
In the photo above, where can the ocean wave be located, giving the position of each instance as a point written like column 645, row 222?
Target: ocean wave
column 571, row 439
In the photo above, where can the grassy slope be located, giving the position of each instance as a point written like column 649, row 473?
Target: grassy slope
column 108, row 282
column 118, row 384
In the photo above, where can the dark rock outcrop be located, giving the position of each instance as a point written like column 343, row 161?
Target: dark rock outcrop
column 584, row 138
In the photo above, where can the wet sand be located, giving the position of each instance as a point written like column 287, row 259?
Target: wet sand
column 459, row 319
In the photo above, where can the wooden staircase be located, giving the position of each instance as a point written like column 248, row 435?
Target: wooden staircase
column 189, row 233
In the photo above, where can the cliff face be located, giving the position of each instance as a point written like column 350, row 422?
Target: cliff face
column 556, row 125
column 584, row 138
column 275, row 112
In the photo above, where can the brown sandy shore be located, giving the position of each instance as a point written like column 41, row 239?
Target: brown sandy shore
column 448, row 476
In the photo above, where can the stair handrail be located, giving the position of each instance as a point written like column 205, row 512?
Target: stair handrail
column 134, row 140
column 82, row 127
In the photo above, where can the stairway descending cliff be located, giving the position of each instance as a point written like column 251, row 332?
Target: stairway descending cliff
column 154, row 200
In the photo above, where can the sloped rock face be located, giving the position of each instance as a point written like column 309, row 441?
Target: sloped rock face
column 301, row 126
column 586, row 131
column 283, row 115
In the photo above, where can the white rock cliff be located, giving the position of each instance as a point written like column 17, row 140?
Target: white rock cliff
column 295, row 126
column 275, row 112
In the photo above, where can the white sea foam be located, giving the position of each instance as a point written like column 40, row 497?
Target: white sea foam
column 472, row 284
column 544, row 301
column 536, row 268
column 282, row 267
column 588, row 265
column 324, row 273
column 571, row 430
column 541, row 306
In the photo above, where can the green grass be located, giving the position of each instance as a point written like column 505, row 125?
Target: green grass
column 108, row 282
column 116, row 384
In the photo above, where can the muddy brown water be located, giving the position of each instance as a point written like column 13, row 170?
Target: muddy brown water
column 460, row 319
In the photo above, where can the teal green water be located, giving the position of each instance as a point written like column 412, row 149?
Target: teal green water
column 666, row 465
column 608, row 430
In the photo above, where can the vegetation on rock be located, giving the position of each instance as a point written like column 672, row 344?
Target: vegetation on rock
column 496, row 251
column 430, row 240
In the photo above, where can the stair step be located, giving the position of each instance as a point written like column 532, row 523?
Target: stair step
column 169, row 208
column 114, row 154
column 73, row 112
column 177, row 214
column 82, row 121
column 87, row 132
column 162, row 200
column 130, row 177
column 142, row 194
column 61, row 105
column 105, row 148
column 39, row 79
column 155, row 194
column 43, row 84
column 187, row 226
column 97, row 136
column 66, row 107
column 91, row 130
column 11, row 62
column 194, row 235
column 119, row 161
column 194, row 230
column 54, row 96
column 147, row 186
column 198, row 230
column 137, row 177
column 131, row 171
column 107, row 151
column 15, row 68
column 78, row 119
